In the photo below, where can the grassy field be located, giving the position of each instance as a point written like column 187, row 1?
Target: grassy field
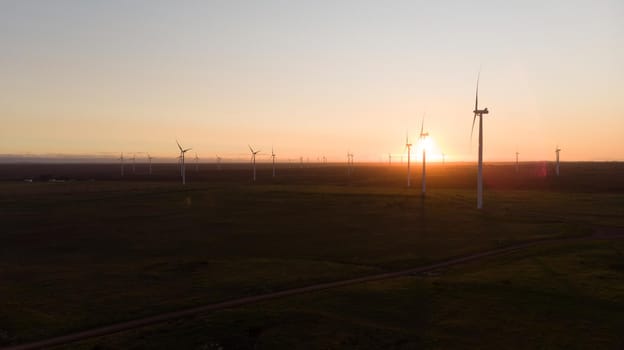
column 82, row 253
column 565, row 296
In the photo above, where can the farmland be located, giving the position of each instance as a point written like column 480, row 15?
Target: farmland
column 95, row 249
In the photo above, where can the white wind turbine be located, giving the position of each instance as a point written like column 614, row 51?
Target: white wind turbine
column 149, row 158
column 273, row 157
column 480, row 113
column 121, row 159
column 349, row 163
column 182, row 168
column 253, row 161
column 196, row 163
column 408, row 145
column 557, row 150
column 218, row 162
column 423, row 138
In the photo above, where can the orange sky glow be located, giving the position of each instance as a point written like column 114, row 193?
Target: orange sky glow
column 312, row 79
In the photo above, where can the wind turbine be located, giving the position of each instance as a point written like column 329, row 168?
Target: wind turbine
column 121, row 159
column 408, row 145
column 480, row 113
column 149, row 158
column 557, row 150
column 273, row 157
column 253, row 161
column 349, row 163
column 389, row 158
column 517, row 167
column 443, row 158
column 423, row 137
column 182, row 168
column 218, row 162
column 133, row 163
column 196, row 163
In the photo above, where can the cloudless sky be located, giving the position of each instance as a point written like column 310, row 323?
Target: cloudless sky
column 312, row 78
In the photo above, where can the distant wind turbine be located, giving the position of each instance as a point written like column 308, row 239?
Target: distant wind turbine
column 557, row 150
column 196, row 163
column 480, row 113
column 423, row 137
column 182, row 168
column 253, row 161
column 121, row 159
column 517, row 166
column 389, row 158
column 149, row 158
column 133, row 163
column 218, row 162
column 273, row 157
column 408, row 145
column 349, row 163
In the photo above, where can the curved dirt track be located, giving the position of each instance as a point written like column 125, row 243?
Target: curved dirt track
column 124, row 326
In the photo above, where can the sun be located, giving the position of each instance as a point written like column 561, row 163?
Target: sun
column 429, row 145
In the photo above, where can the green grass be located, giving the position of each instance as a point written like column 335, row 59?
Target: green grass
column 81, row 254
column 567, row 295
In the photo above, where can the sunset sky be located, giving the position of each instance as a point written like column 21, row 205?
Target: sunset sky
column 312, row 78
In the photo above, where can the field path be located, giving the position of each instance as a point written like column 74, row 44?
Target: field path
column 601, row 234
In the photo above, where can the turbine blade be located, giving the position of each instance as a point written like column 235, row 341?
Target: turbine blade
column 473, row 123
column 251, row 149
column 180, row 147
column 477, row 93
column 422, row 124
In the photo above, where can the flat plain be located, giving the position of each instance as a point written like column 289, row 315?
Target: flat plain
column 92, row 249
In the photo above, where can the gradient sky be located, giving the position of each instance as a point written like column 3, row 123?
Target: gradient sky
column 311, row 78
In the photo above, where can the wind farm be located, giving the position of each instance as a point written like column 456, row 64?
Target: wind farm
column 108, row 242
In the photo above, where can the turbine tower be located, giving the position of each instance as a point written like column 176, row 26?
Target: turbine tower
column 408, row 145
column 149, row 158
column 349, row 163
column 253, row 161
column 517, row 167
column 218, row 162
column 480, row 113
column 557, row 150
column 196, row 163
column 121, row 159
column 273, row 157
column 182, row 168
column 423, row 137
column 389, row 158
column 133, row 163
